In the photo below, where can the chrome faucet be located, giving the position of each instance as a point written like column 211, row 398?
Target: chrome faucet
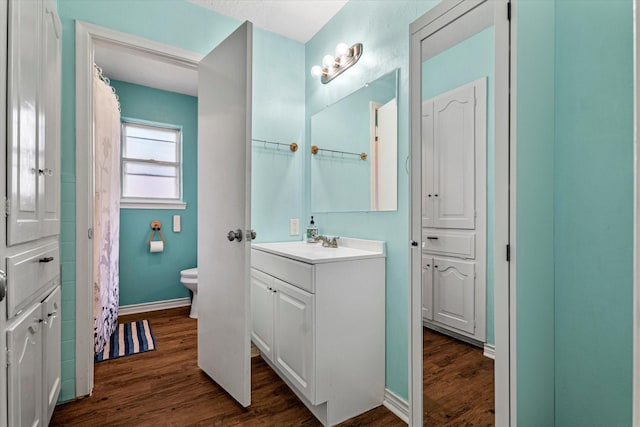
column 327, row 242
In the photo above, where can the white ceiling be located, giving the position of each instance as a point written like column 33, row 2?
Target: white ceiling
column 295, row 19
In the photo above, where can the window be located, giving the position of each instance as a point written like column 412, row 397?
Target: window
column 151, row 165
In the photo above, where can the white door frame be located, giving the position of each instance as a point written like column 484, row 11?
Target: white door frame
column 636, row 213
column 87, row 35
column 505, row 374
column 3, row 221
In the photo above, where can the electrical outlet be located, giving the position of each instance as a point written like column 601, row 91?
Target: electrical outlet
column 294, row 227
column 176, row 223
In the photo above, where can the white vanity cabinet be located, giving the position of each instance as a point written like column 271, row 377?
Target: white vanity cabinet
column 30, row 313
column 318, row 318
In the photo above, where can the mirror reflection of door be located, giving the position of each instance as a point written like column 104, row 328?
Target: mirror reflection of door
column 457, row 126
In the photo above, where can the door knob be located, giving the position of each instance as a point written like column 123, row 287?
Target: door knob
column 251, row 235
column 235, row 235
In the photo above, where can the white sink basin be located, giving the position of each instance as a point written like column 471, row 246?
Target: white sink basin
column 315, row 253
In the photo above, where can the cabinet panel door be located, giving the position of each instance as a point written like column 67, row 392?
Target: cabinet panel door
column 453, row 291
column 23, row 176
column 262, row 297
column 427, row 288
column 428, row 172
column 454, row 153
column 50, row 144
column 25, row 369
column 51, row 345
column 294, row 341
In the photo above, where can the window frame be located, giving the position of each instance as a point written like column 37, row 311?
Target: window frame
column 152, row 202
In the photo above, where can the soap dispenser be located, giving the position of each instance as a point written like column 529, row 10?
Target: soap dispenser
column 312, row 232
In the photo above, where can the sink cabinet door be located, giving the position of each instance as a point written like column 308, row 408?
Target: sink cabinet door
column 262, row 298
column 51, row 352
column 24, row 340
column 427, row 288
column 294, row 336
column 454, row 293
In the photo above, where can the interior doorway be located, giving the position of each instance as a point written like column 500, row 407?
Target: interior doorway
column 460, row 205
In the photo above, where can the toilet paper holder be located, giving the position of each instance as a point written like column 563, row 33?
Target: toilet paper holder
column 155, row 227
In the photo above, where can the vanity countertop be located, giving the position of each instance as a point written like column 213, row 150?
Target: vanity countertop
column 314, row 253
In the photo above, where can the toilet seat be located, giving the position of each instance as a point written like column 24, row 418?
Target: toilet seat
column 189, row 280
column 191, row 273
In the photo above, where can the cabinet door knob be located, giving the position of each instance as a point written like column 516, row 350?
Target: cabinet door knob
column 414, row 243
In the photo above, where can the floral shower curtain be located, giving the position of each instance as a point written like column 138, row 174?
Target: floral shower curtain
column 106, row 229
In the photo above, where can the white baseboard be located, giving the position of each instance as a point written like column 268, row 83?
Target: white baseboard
column 396, row 404
column 154, row 306
column 490, row 351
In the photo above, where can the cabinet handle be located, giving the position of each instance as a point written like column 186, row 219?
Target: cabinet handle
column 428, row 195
column 435, row 195
column 54, row 313
column 432, row 237
column 428, row 265
column 435, row 266
column 46, row 259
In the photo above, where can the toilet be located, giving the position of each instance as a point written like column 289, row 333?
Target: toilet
column 189, row 278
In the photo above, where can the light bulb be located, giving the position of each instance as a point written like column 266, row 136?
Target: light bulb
column 328, row 61
column 342, row 49
column 316, row 71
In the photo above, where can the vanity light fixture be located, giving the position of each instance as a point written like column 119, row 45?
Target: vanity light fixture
column 332, row 66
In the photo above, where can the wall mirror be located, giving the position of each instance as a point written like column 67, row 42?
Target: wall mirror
column 354, row 150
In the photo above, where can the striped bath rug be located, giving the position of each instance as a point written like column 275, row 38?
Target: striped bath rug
column 127, row 339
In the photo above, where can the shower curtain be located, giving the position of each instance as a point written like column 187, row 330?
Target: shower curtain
column 106, row 228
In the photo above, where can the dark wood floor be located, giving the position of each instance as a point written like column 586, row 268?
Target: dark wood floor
column 166, row 388
column 458, row 383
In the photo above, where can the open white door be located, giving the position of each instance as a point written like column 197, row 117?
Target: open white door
column 224, row 206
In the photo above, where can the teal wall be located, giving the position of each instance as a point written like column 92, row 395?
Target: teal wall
column 382, row 26
column 534, row 248
column 467, row 61
column 147, row 277
column 278, row 114
column 593, row 212
column 277, row 174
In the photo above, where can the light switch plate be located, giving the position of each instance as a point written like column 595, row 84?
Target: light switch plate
column 294, row 227
column 176, row 223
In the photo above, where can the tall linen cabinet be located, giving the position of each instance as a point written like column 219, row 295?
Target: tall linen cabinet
column 454, row 212
column 30, row 296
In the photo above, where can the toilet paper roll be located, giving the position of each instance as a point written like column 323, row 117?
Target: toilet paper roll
column 156, row 246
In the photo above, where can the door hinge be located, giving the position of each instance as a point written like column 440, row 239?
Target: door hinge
column 90, row 233
column 8, row 360
column 509, row 11
column 508, row 253
column 7, row 207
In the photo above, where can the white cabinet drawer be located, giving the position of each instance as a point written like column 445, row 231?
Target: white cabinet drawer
column 28, row 273
column 450, row 243
column 294, row 272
